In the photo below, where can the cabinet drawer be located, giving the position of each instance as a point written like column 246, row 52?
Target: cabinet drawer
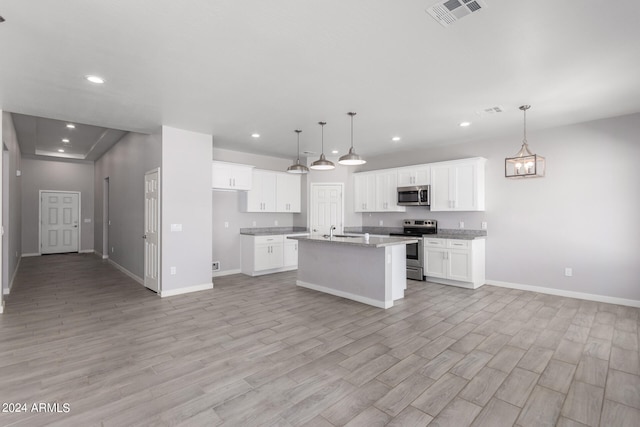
column 458, row 244
column 435, row 243
column 268, row 239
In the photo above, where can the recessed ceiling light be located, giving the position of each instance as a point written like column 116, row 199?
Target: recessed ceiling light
column 255, row 135
column 395, row 138
column 465, row 124
column 61, row 151
column 334, row 151
column 71, row 126
column 95, row 79
column 65, row 140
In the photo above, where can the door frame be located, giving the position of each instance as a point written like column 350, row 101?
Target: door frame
column 79, row 193
column 144, row 257
column 106, row 183
column 311, row 193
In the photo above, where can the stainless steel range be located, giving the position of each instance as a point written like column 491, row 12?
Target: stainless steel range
column 415, row 254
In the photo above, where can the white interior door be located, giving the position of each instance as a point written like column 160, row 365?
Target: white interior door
column 59, row 219
column 326, row 208
column 152, row 229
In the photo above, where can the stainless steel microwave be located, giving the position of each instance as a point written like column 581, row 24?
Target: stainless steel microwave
column 417, row 195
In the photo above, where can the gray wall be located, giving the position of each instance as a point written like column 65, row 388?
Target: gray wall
column 125, row 165
column 583, row 214
column 226, row 241
column 60, row 176
column 12, row 221
column 186, row 200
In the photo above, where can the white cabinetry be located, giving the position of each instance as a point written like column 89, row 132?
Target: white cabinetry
column 387, row 192
column 455, row 262
column 231, row 176
column 414, row 175
column 287, row 192
column 272, row 192
column 364, row 186
column 376, row 191
column 458, row 185
column 269, row 254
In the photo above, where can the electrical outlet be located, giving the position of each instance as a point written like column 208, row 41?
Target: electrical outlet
column 275, row 222
column 461, row 224
column 380, row 223
column 254, row 223
column 226, row 224
column 112, row 249
column 483, row 225
column 568, row 271
column 173, row 271
column 215, row 265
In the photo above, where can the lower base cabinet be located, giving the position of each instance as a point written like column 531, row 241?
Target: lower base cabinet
column 455, row 262
column 268, row 254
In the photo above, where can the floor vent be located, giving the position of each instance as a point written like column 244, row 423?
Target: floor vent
column 448, row 12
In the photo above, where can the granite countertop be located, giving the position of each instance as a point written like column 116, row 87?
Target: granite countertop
column 373, row 242
column 270, row 231
column 443, row 233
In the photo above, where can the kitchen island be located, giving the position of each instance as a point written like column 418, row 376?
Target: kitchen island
column 371, row 271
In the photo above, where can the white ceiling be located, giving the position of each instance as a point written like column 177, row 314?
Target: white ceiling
column 231, row 68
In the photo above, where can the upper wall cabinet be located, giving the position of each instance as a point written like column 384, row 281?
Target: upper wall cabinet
column 376, row 191
column 231, row 176
column 272, row 192
column 458, row 185
column 414, row 175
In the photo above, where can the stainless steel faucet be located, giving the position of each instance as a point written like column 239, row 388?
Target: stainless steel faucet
column 333, row 227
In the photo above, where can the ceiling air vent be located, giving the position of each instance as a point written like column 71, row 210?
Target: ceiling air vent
column 449, row 11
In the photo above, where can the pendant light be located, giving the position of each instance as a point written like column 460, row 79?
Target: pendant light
column 298, row 167
column 351, row 158
column 524, row 164
column 322, row 164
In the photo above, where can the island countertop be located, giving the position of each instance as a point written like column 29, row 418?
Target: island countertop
column 372, row 242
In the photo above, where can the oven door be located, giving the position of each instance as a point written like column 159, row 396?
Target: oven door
column 414, row 254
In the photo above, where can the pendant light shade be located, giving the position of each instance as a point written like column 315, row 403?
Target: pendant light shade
column 298, row 167
column 322, row 164
column 524, row 164
column 351, row 158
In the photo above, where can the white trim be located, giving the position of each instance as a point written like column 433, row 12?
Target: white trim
column 354, row 297
column 225, row 273
column 188, row 289
column 2, row 307
column 458, row 283
column 564, row 293
column 127, row 272
column 105, row 256
column 105, row 216
column 79, row 193
column 86, row 251
column 30, row 254
column 6, row 291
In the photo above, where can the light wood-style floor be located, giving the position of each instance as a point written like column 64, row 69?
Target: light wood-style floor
column 260, row 351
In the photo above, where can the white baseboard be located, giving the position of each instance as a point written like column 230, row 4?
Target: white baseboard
column 6, row 291
column 127, row 272
column 348, row 295
column 466, row 285
column 86, row 251
column 2, row 307
column 564, row 293
column 105, row 256
column 188, row 289
column 224, row 273
column 13, row 276
column 31, row 254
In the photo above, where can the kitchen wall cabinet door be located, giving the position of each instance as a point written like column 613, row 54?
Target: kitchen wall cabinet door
column 364, row 187
column 262, row 196
column 288, row 192
column 458, row 186
column 419, row 175
column 387, row 192
column 231, row 176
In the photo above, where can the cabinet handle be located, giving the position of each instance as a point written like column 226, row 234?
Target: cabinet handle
column 230, row 183
column 234, row 182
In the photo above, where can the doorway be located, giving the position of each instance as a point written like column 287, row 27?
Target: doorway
column 326, row 208
column 59, row 222
column 151, row 234
column 105, row 218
